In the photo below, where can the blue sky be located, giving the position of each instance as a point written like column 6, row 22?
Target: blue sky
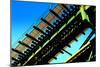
column 24, row 15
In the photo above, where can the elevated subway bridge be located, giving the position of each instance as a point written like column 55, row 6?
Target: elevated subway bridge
column 63, row 25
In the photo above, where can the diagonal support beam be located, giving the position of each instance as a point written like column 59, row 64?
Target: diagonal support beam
column 88, row 38
column 22, row 43
column 39, row 30
column 32, row 37
column 55, row 14
column 17, row 51
column 67, row 52
column 45, row 21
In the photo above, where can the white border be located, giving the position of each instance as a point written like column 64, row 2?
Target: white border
column 4, row 33
column 84, row 2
